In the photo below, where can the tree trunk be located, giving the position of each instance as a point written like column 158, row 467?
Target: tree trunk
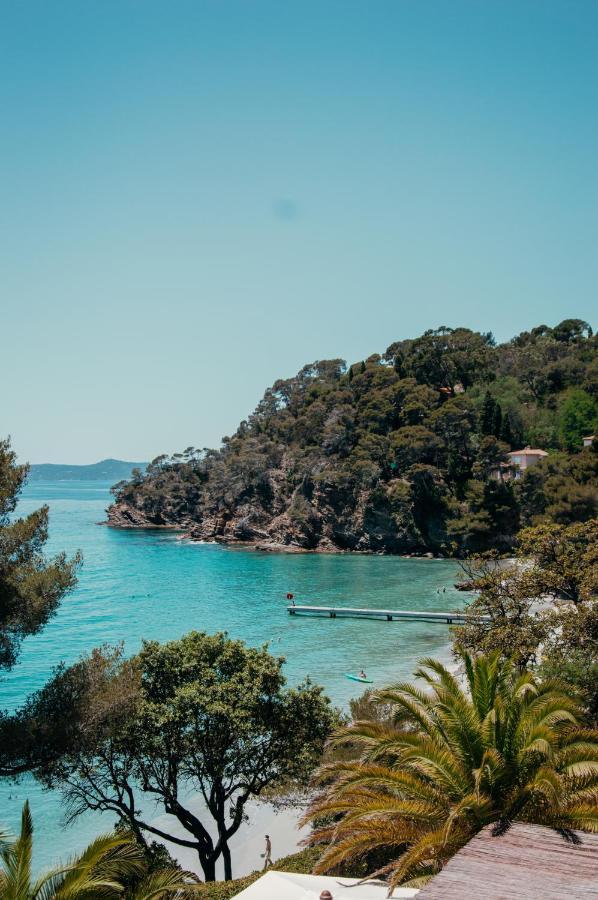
column 228, row 867
column 208, row 865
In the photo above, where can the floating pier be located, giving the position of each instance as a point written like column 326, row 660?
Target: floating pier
column 390, row 615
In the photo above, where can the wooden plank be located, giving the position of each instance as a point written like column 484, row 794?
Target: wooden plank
column 528, row 862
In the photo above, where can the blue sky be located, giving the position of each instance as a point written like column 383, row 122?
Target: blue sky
column 197, row 198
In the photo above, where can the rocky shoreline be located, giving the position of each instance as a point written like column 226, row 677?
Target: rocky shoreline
column 237, row 533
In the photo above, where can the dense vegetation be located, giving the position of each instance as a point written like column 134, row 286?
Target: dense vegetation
column 446, row 761
column 395, row 454
column 542, row 606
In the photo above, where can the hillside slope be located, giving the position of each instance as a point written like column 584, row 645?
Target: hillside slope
column 394, row 454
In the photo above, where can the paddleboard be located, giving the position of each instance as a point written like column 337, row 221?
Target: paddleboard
column 358, row 678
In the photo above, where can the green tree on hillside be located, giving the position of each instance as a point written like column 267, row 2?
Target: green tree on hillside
column 561, row 488
column 488, row 412
column 543, row 609
column 579, row 417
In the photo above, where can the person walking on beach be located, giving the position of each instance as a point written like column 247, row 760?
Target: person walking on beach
column 268, row 854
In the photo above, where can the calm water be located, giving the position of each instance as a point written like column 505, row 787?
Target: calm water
column 150, row 584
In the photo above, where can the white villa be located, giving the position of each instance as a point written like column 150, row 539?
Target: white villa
column 519, row 461
column 524, row 459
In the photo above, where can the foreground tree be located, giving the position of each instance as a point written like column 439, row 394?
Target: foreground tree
column 31, row 585
column 204, row 713
column 505, row 615
column 31, row 588
column 447, row 762
column 106, row 868
column 95, row 872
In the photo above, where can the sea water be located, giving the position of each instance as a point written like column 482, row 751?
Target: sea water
column 151, row 584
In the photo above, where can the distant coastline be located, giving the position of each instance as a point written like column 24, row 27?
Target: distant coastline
column 106, row 470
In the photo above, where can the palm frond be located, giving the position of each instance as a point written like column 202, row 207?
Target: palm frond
column 448, row 762
column 166, row 882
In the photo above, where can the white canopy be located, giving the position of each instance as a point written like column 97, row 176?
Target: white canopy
column 290, row 886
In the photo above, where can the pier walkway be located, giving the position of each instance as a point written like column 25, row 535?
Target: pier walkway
column 390, row 615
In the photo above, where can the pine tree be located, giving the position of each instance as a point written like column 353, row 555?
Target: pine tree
column 506, row 432
column 497, row 421
column 488, row 411
column 362, row 368
column 31, row 585
column 350, row 373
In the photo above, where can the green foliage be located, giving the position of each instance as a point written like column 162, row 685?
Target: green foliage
column 579, row 417
column 570, row 652
column 112, row 866
column 560, row 488
column 31, row 588
column 317, row 462
column 448, row 761
column 204, row 711
column 31, row 585
column 49, row 723
column 96, row 872
column 543, row 609
column 565, row 558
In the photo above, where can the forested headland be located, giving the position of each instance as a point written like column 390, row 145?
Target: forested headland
column 397, row 453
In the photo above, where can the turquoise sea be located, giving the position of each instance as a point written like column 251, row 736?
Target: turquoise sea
column 150, row 584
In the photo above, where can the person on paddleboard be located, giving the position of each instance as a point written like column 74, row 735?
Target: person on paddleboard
column 362, row 674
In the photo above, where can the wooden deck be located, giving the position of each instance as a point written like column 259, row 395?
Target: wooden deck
column 390, row 615
column 529, row 862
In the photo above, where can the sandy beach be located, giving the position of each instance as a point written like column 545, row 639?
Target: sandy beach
column 249, row 841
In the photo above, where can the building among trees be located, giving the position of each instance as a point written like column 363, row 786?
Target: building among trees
column 519, row 462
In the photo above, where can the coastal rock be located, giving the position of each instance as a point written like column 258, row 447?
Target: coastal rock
column 125, row 515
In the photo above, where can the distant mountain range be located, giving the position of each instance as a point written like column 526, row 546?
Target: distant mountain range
column 106, row 470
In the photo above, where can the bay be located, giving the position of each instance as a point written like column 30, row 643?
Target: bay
column 151, row 584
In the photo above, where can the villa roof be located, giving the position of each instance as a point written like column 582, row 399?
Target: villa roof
column 527, row 862
column 528, row 451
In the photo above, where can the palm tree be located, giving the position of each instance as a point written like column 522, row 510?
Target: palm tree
column 448, row 761
column 98, row 872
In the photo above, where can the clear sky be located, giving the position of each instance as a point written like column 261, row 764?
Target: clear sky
column 197, row 198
